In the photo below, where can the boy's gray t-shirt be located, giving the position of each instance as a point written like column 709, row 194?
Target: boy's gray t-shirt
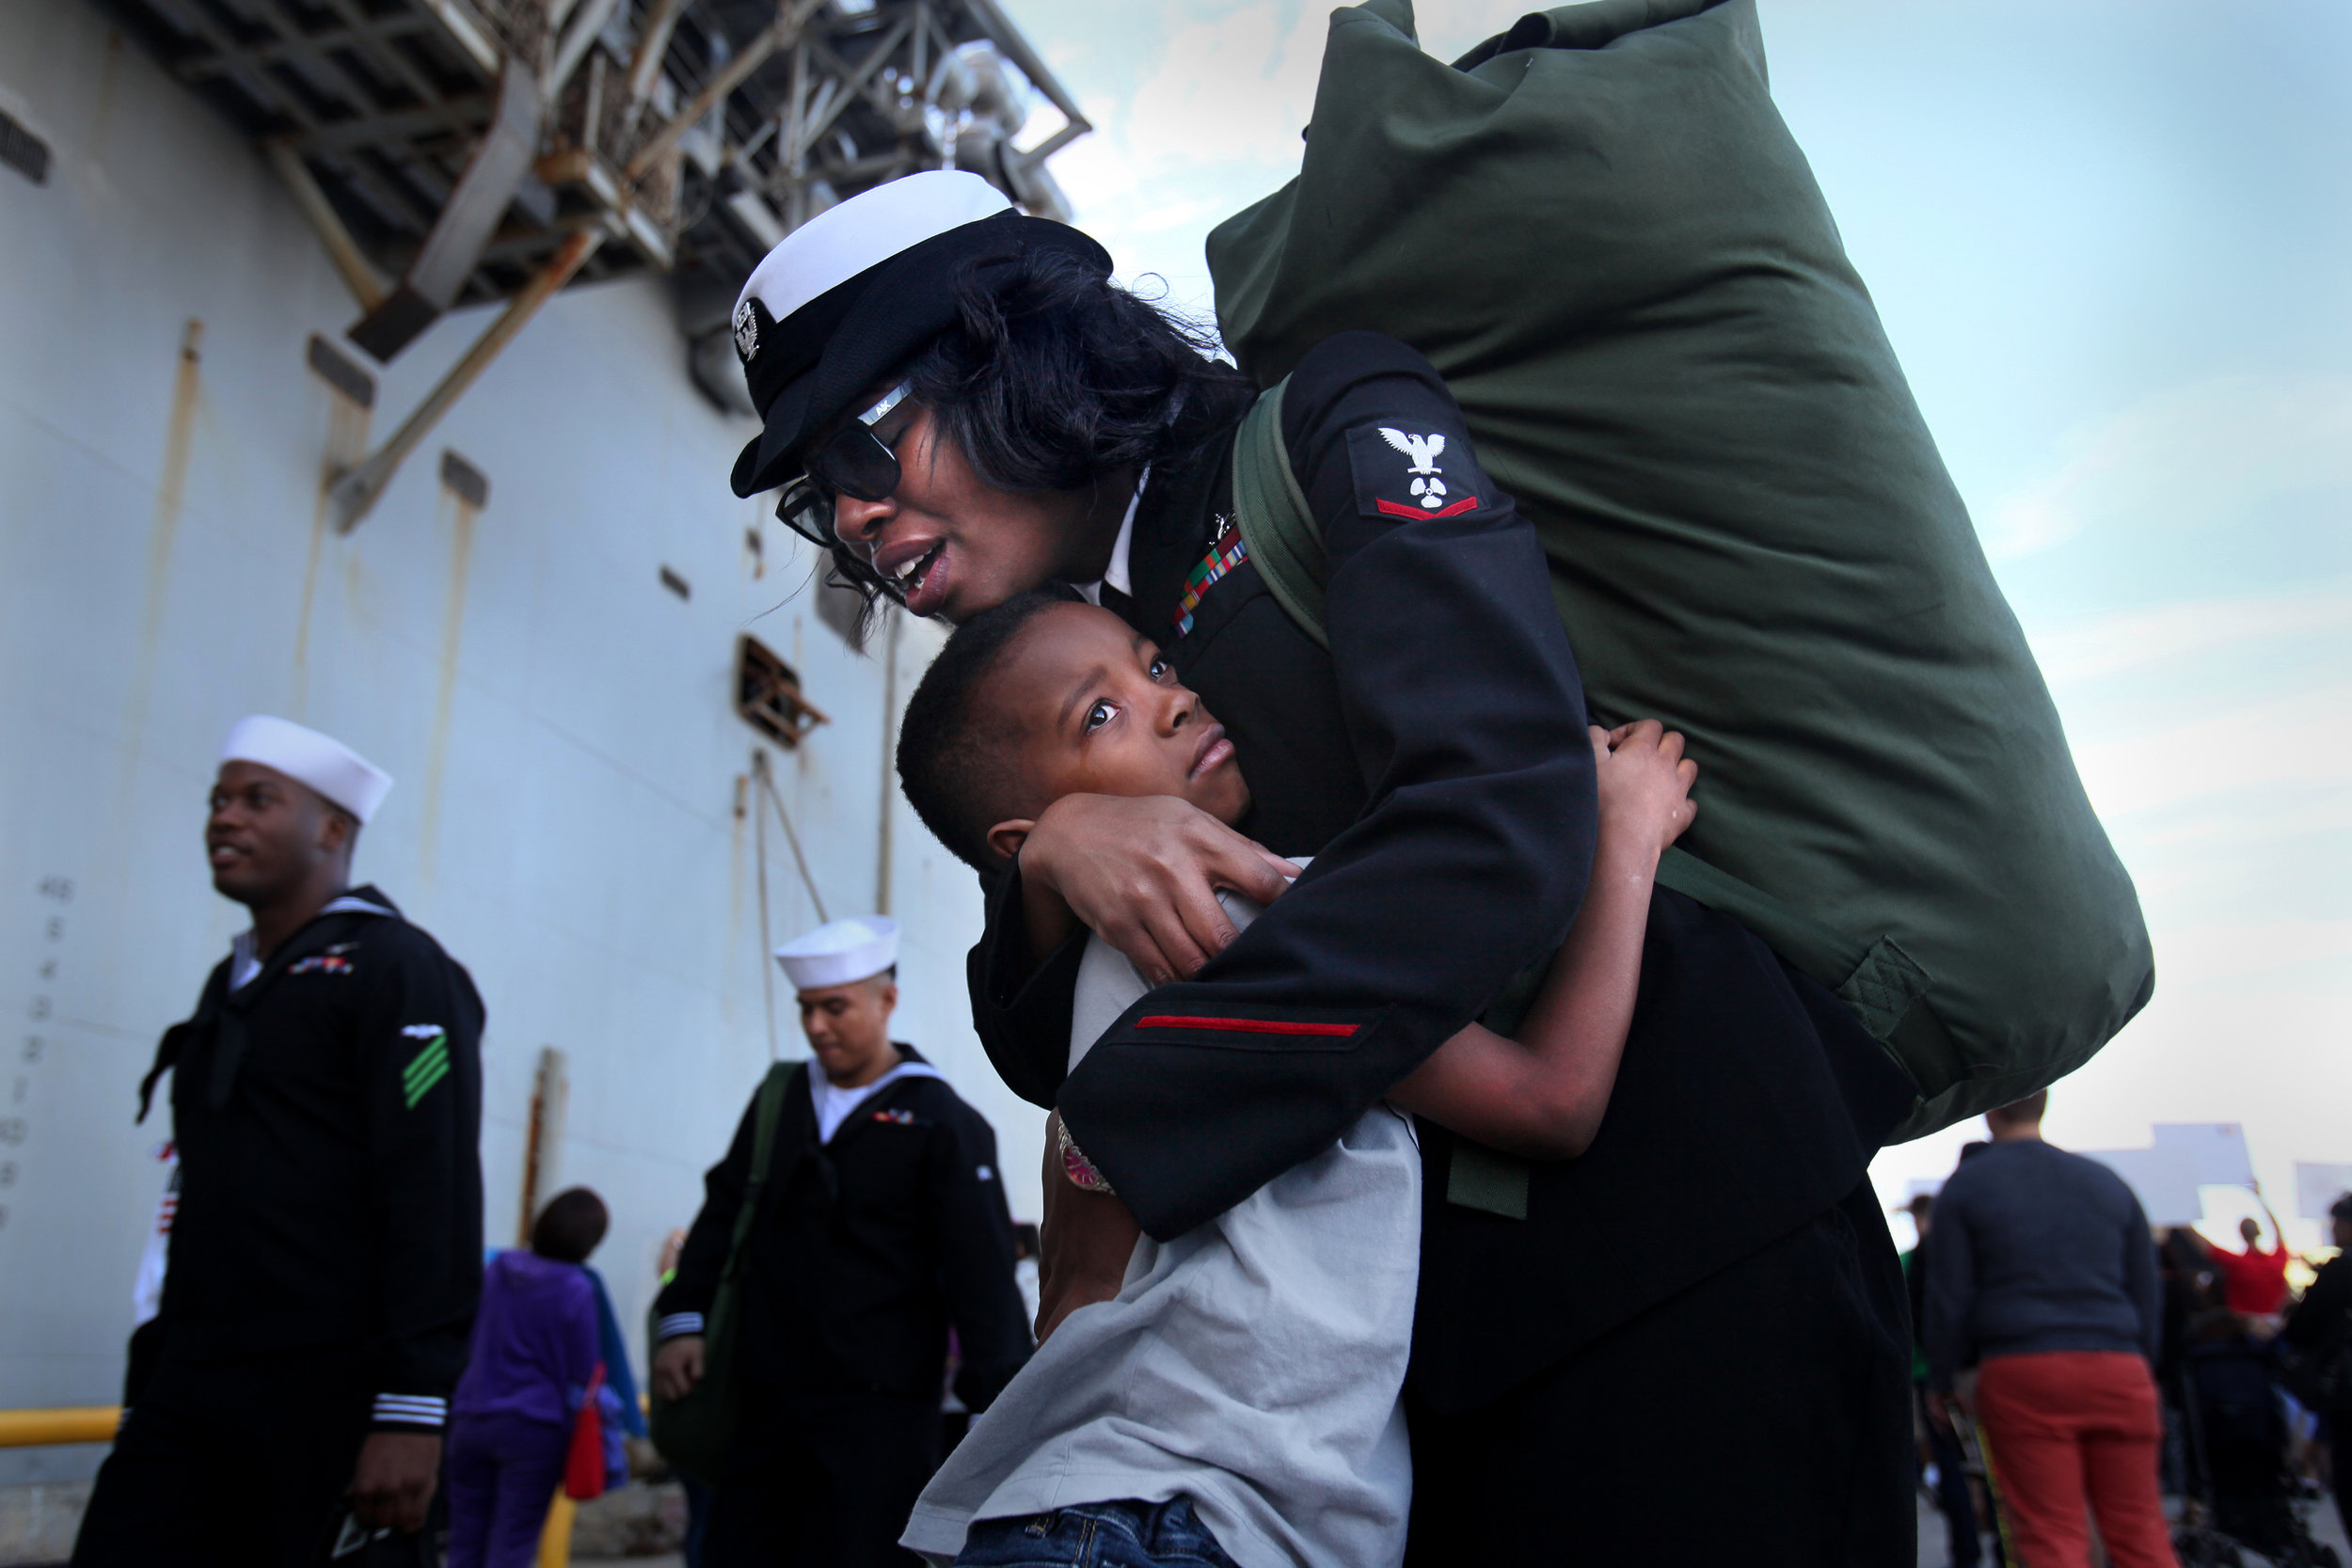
column 1252, row 1365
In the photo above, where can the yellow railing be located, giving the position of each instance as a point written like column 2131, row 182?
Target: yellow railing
column 96, row 1423
column 555, row 1540
column 74, row 1423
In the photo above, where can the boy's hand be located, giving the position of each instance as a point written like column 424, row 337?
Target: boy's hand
column 1644, row 783
column 1144, row 872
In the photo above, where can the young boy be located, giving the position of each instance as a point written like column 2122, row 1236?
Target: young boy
column 1238, row 1401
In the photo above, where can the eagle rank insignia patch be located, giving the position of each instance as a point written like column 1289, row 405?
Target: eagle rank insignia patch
column 1411, row 473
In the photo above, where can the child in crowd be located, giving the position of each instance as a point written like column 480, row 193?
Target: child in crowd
column 1238, row 1401
column 533, row 1356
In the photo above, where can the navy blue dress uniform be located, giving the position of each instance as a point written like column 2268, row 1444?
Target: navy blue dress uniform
column 868, row 1248
column 326, row 1259
column 1712, row 1288
column 1709, row 1298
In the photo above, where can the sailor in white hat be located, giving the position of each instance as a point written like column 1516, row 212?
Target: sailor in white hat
column 288, row 806
column 881, row 1224
column 326, row 1256
column 846, row 972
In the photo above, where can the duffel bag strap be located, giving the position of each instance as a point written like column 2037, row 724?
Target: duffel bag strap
column 1272, row 513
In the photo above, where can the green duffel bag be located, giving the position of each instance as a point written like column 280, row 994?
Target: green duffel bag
column 693, row 1433
column 1598, row 230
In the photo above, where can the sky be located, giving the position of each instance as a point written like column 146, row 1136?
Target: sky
column 2111, row 240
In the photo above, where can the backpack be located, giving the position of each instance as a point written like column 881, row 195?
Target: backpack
column 1599, row 232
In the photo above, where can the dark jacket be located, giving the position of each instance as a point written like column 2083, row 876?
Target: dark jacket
column 866, row 1250
column 2036, row 1249
column 2321, row 1325
column 1435, row 763
column 328, row 1117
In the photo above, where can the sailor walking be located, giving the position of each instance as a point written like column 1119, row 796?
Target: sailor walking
column 879, row 1224
column 326, row 1255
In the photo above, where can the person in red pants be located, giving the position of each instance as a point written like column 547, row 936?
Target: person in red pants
column 2043, row 1273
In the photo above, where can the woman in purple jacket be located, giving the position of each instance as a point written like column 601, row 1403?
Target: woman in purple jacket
column 534, row 1350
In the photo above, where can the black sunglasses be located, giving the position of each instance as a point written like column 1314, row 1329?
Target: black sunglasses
column 854, row 461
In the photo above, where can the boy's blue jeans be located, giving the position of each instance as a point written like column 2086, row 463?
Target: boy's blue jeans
column 1097, row 1535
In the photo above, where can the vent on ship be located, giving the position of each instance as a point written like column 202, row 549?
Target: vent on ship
column 768, row 694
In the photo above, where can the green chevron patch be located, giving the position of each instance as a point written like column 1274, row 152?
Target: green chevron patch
column 428, row 1068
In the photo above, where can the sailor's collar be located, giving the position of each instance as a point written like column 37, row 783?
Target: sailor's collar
column 245, row 963
column 1115, row 574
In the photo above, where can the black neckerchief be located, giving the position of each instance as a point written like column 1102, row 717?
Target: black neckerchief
column 222, row 1010
column 829, row 1174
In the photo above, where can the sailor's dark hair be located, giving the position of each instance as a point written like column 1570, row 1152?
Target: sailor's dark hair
column 1055, row 378
column 570, row 1227
column 954, row 764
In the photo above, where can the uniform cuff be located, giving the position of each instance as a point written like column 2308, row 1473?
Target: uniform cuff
column 676, row 1325
column 412, row 1412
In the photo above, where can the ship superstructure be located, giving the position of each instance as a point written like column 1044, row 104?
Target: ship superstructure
column 363, row 361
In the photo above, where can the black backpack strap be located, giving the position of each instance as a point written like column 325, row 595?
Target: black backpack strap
column 176, row 1039
column 229, row 1040
column 168, row 1052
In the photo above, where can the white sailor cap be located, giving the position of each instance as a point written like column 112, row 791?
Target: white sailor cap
column 841, row 951
column 851, row 294
column 308, row 757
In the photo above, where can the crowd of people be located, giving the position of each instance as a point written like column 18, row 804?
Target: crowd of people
column 1243, row 1389
column 1378, row 1051
column 2073, row 1364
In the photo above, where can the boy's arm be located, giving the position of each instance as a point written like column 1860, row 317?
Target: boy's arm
column 1543, row 1095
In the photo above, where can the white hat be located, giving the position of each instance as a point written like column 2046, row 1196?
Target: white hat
column 836, row 954
column 865, row 231
column 858, row 289
column 308, row 757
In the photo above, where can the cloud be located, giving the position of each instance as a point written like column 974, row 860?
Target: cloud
column 2116, row 645
column 2206, row 955
column 2301, row 741
column 1209, row 123
column 2201, row 456
column 1236, row 90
